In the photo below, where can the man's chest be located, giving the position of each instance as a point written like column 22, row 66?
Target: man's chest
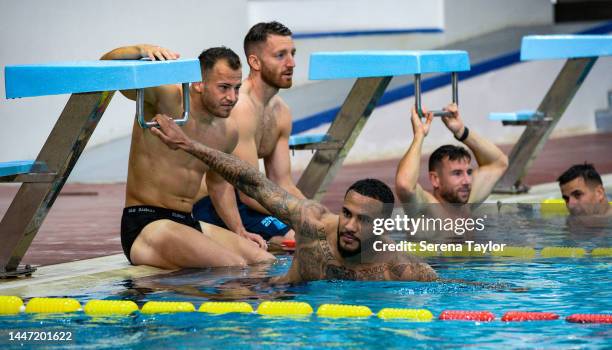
column 320, row 262
column 211, row 135
column 267, row 133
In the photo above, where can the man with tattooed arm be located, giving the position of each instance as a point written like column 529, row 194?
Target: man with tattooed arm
column 328, row 246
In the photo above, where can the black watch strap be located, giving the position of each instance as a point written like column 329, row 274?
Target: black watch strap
column 466, row 133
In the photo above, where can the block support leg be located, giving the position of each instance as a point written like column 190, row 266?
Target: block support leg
column 60, row 153
column 345, row 129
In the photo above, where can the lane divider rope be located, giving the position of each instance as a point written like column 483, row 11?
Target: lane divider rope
column 521, row 252
column 13, row 305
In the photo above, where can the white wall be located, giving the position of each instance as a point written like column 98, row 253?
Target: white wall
column 519, row 86
column 322, row 16
column 459, row 19
column 468, row 18
column 39, row 31
column 59, row 30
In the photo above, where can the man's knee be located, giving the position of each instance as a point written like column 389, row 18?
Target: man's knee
column 231, row 259
column 290, row 234
column 261, row 256
column 144, row 253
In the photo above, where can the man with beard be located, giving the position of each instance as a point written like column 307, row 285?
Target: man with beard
column 328, row 246
column 264, row 122
column 157, row 228
column 451, row 175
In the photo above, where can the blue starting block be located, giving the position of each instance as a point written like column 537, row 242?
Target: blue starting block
column 311, row 142
column 300, row 140
column 361, row 64
column 581, row 53
column 110, row 75
column 89, row 76
column 549, row 47
column 522, row 117
column 16, row 167
column 373, row 71
column 92, row 84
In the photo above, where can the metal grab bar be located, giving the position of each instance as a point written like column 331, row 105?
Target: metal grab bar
column 140, row 109
column 417, row 95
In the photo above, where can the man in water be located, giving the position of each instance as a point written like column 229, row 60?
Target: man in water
column 453, row 179
column 583, row 191
column 328, row 246
column 586, row 200
column 157, row 228
column 264, row 123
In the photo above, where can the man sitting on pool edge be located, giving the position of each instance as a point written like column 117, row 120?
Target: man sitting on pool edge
column 157, row 228
column 328, row 246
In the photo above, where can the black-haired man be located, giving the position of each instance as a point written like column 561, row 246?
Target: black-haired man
column 328, row 246
column 157, row 228
column 451, row 175
column 264, row 121
column 583, row 191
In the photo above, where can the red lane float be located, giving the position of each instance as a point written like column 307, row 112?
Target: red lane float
column 463, row 315
column 518, row 316
column 589, row 318
column 288, row 244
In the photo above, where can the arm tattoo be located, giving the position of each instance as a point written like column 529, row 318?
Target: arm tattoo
column 398, row 270
column 373, row 273
column 337, row 272
column 250, row 181
column 288, row 208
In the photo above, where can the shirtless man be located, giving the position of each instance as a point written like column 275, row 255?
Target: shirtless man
column 583, row 192
column 329, row 246
column 450, row 173
column 157, row 228
column 264, row 120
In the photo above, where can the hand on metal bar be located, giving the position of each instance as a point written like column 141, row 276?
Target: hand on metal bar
column 140, row 109
column 436, row 113
column 418, row 127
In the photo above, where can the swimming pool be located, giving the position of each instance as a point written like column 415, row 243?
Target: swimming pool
column 561, row 285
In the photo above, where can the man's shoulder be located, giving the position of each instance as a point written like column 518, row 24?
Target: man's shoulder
column 244, row 114
column 281, row 112
column 230, row 134
column 169, row 96
column 278, row 105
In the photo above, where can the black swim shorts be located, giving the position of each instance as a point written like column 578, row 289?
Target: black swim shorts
column 253, row 221
column 134, row 219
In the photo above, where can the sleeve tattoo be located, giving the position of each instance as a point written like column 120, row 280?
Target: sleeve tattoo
column 253, row 183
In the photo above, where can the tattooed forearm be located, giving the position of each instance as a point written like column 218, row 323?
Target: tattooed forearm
column 398, row 270
column 249, row 180
column 337, row 272
column 372, row 273
column 413, row 271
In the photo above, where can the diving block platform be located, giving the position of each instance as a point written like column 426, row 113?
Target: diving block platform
column 92, row 85
column 522, row 117
column 373, row 71
column 89, row 76
column 363, row 64
column 581, row 53
column 16, row 167
column 310, row 141
column 551, row 47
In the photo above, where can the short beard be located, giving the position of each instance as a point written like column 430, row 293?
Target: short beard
column 347, row 253
column 453, row 197
column 268, row 78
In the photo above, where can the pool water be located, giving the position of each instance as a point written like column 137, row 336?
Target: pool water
column 560, row 285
